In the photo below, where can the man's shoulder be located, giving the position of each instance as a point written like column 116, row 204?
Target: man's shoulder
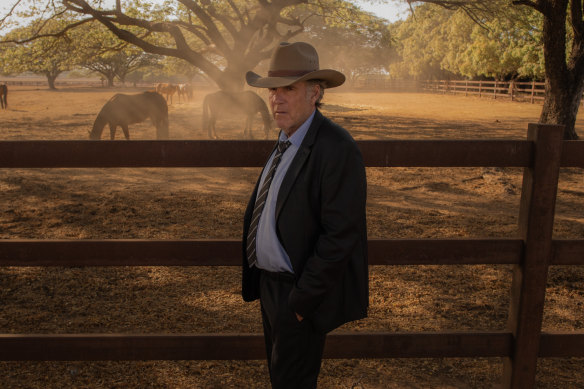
column 332, row 131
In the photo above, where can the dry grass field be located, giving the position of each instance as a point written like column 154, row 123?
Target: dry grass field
column 209, row 203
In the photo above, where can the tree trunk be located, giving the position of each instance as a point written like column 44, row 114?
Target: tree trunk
column 231, row 80
column 51, row 80
column 564, row 84
column 561, row 105
column 110, row 80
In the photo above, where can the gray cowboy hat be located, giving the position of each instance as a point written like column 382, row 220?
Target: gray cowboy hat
column 293, row 62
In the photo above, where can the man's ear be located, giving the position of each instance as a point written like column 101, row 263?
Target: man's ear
column 315, row 93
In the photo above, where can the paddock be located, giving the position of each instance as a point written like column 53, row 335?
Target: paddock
column 405, row 202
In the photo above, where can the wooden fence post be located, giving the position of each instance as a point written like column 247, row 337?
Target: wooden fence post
column 532, row 90
column 536, row 217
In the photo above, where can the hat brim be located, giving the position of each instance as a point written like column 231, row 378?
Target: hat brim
column 331, row 78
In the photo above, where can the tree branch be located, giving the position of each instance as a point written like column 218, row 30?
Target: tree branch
column 58, row 34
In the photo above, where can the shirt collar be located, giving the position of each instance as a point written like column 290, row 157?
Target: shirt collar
column 298, row 136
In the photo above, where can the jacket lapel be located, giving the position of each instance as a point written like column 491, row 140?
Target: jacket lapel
column 298, row 161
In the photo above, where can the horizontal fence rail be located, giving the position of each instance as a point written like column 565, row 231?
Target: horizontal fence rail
column 208, row 153
column 104, row 347
column 531, row 253
column 137, row 252
column 513, row 90
column 531, row 90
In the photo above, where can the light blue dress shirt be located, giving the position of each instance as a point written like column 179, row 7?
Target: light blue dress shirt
column 270, row 253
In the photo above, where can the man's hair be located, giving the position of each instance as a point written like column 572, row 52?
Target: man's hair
column 321, row 84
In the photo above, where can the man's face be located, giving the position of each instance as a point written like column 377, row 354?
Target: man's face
column 292, row 105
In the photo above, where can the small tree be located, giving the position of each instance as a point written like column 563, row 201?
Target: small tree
column 48, row 56
column 102, row 52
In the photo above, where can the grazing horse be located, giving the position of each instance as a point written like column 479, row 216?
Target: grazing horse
column 185, row 90
column 3, row 96
column 167, row 90
column 122, row 110
column 221, row 102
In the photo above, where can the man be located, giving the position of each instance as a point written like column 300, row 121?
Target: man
column 305, row 238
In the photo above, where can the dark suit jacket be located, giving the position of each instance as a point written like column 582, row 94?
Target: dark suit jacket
column 320, row 213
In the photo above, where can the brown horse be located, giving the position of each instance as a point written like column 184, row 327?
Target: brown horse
column 249, row 102
column 3, row 96
column 184, row 90
column 122, row 110
column 167, row 90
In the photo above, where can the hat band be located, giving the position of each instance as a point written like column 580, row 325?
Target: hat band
column 288, row 73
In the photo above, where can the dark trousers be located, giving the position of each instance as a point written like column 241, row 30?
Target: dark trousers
column 293, row 347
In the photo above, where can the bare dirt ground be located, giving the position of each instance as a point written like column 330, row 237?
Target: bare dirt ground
column 209, row 203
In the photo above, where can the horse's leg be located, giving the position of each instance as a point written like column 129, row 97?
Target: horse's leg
column 126, row 132
column 211, row 124
column 161, row 128
column 212, row 132
column 248, row 125
column 112, row 131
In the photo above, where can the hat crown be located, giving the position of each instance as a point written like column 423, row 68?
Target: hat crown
column 297, row 56
column 295, row 62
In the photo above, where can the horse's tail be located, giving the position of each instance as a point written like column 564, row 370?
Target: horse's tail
column 266, row 117
column 162, row 127
column 158, row 111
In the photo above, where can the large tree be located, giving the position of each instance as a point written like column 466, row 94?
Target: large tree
column 563, row 51
column 222, row 39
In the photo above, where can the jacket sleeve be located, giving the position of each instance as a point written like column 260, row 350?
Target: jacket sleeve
column 341, row 215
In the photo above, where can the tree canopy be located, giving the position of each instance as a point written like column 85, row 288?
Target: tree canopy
column 438, row 43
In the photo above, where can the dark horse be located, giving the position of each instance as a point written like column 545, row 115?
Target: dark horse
column 218, row 103
column 122, row 110
column 3, row 96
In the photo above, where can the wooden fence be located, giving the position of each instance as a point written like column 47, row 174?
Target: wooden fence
column 526, row 91
column 531, row 253
column 386, row 84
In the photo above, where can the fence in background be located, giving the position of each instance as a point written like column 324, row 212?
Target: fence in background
column 531, row 253
column 525, row 91
column 91, row 83
column 385, row 84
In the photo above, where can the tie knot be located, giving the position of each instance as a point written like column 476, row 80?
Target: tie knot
column 282, row 146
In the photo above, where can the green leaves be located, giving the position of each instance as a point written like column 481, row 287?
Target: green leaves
column 437, row 41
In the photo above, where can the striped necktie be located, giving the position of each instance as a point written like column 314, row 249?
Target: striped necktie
column 259, row 204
